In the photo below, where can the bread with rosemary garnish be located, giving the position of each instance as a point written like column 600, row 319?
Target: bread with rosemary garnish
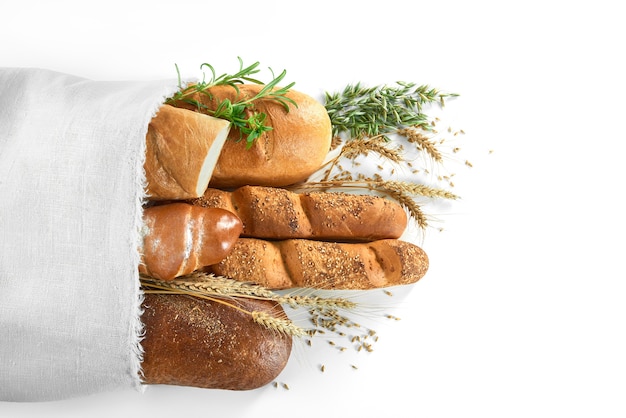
column 196, row 342
column 179, row 238
column 182, row 148
column 290, row 152
column 315, row 264
column 277, row 213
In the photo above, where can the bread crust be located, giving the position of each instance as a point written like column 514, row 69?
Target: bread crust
column 201, row 343
column 180, row 148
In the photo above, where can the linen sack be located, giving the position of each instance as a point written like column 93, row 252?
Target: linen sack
column 71, row 193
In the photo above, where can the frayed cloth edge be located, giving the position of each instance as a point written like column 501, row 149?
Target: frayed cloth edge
column 137, row 330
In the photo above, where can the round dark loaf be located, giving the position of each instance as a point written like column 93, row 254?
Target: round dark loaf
column 201, row 343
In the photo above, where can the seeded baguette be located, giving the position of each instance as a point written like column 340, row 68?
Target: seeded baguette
column 276, row 213
column 323, row 265
column 201, row 343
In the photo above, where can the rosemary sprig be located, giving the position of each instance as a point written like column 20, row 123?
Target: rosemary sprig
column 241, row 113
column 370, row 111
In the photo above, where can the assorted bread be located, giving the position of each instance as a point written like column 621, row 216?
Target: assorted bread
column 220, row 207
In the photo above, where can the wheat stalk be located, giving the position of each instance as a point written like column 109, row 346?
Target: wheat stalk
column 220, row 289
column 423, row 143
column 408, row 188
column 402, row 191
column 334, row 176
column 210, row 284
column 414, row 209
column 363, row 146
column 282, row 325
column 360, row 146
column 316, row 302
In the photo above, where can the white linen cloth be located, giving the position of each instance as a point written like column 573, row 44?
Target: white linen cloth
column 71, row 188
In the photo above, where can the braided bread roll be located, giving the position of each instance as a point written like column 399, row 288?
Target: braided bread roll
column 323, row 265
column 276, row 213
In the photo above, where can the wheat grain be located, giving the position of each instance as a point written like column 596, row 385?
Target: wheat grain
column 422, row 142
column 316, row 301
column 284, row 326
column 404, row 187
column 363, row 146
column 209, row 284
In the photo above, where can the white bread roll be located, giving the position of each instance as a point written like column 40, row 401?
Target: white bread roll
column 182, row 148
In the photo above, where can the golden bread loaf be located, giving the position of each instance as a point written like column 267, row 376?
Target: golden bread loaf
column 294, row 149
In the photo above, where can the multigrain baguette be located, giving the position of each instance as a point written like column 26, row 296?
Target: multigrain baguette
column 323, row 265
column 191, row 341
column 276, row 213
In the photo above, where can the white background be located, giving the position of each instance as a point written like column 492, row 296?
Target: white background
column 522, row 312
